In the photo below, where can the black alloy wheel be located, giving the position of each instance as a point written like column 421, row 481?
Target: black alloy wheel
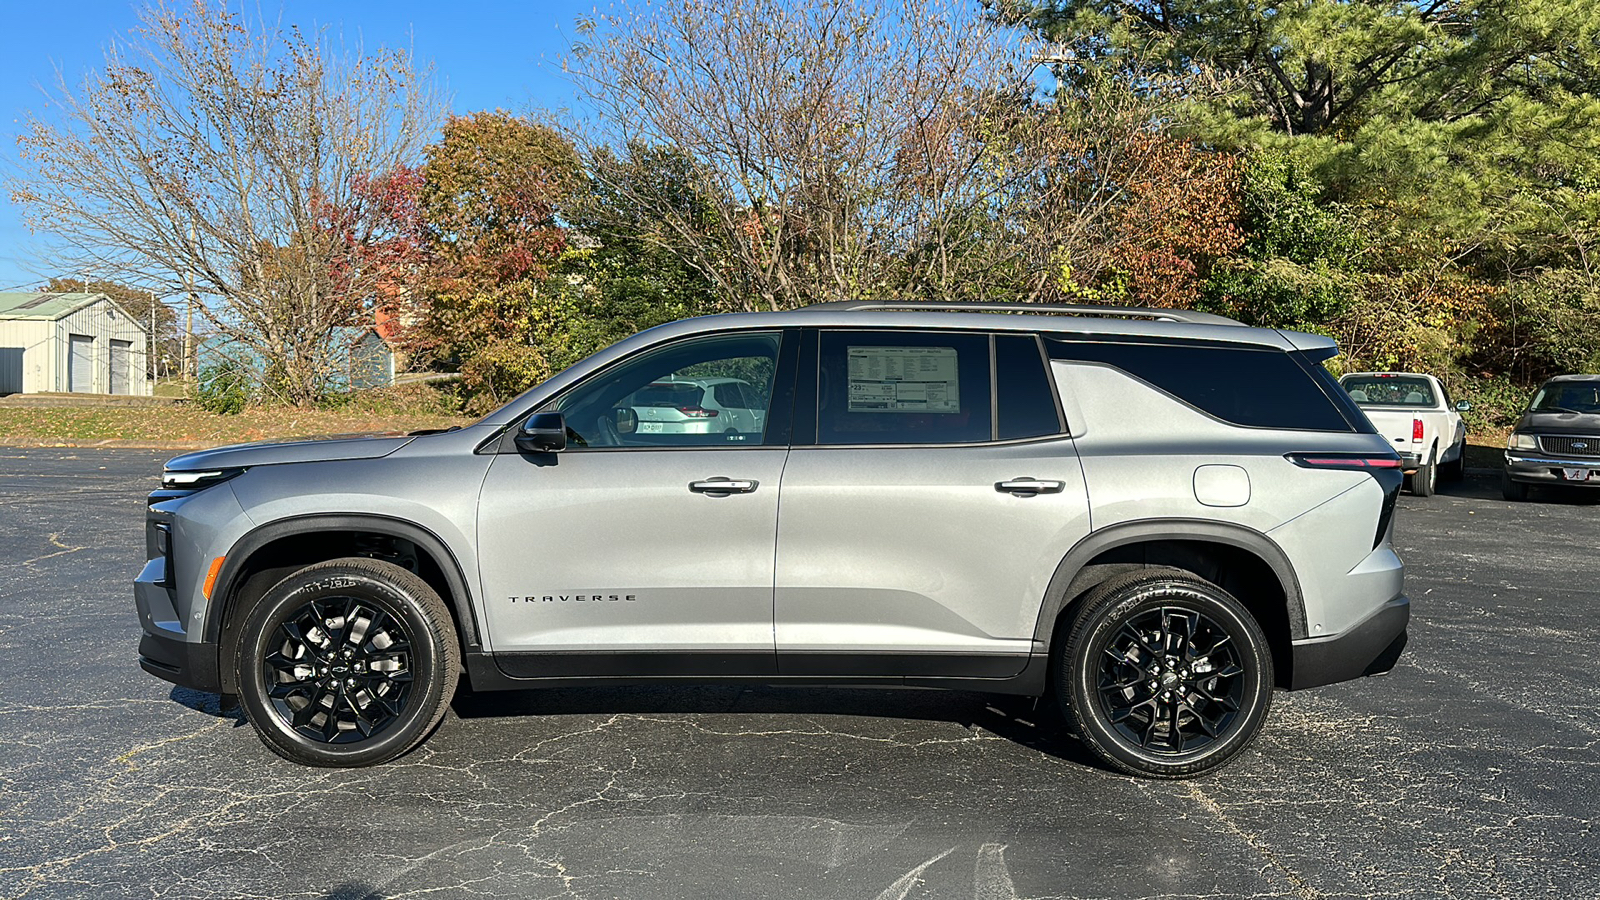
column 1164, row 674
column 1170, row 680
column 340, row 670
column 349, row 662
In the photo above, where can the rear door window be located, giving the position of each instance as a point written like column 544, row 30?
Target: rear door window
column 903, row 387
column 730, row 395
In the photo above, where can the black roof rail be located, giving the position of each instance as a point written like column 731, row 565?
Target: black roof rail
column 1077, row 309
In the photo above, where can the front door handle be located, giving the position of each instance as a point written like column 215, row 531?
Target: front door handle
column 1027, row 487
column 721, row 485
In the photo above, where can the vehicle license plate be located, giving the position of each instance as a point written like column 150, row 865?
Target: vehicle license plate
column 649, row 427
column 1576, row 474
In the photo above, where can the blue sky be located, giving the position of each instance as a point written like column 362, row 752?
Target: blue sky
column 485, row 55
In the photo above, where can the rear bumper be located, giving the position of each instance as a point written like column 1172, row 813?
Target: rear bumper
column 1540, row 469
column 1370, row 648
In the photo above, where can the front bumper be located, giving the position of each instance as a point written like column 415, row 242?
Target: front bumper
column 1536, row 468
column 180, row 662
column 1370, row 648
column 164, row 649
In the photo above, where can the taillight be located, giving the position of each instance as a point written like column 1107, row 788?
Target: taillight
column 1359, row 461
column 697, row 412
column 1384, row 469
column 1416, row 431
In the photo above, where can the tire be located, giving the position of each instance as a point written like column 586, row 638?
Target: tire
column 338, row 613
column 1426, row 479
column 1109, row 658
column 1512, row 490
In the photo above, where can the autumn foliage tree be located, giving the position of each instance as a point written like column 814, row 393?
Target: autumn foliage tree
column 487, row 203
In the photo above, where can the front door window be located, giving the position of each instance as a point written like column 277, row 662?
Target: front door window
column 704, row 393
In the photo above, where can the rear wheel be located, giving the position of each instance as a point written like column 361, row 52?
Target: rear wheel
column 1426, row 478
column 1164, row 674
column 1512, row 490
column 350, row 662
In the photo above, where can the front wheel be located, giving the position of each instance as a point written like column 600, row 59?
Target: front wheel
column 1512, row 490
column 350, row 662
column 1164, row 674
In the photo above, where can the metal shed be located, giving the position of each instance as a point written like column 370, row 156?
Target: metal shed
column 79, row 343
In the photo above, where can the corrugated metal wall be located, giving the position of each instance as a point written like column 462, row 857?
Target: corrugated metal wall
column 26, row 360
column 103, row 321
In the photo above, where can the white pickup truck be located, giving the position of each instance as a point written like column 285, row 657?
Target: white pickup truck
column 1414, row 411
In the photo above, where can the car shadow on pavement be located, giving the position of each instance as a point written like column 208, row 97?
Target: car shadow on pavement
column 1484, row 484
column 1022, row 720
column 215, row 705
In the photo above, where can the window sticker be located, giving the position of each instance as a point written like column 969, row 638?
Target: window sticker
column 904, row 379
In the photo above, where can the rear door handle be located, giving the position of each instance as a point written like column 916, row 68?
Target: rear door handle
column 721, row 485
column 1029, row 486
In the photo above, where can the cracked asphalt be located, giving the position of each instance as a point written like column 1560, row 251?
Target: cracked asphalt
column 1472, row 771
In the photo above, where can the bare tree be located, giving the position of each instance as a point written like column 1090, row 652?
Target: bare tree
column 237, row 154
column 853, row 148
column 796, row 119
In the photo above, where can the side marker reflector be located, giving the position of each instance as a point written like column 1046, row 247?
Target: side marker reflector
column 211, row 576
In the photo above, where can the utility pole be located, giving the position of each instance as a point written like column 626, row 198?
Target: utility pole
column 189, row 367
column 188, row 328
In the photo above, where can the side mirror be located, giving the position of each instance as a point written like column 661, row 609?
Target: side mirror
column 626, row 418
column 1463, row 406
column 543, row 433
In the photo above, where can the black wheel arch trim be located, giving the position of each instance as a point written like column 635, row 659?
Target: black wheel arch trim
column 228, row 580
column 1059, row 594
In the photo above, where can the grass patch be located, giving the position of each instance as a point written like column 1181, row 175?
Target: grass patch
column 190, row 426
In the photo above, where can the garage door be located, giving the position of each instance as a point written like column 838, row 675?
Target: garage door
column 121, row 358
column 80, row 365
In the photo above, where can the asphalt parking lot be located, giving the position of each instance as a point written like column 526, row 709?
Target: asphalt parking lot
column 1472, row 771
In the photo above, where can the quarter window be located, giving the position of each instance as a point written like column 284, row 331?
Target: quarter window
column 1257, row 387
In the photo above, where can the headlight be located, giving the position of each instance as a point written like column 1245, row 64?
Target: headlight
column 198, row 480
column 1520, row 441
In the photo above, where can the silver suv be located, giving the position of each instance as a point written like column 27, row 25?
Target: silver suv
column 1153, row 517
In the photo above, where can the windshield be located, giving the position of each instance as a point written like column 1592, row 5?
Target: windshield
column 1390, row 390
column 1578, row 397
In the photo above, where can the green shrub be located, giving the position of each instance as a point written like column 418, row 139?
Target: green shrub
column 1497, row 401
column 224, row 388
